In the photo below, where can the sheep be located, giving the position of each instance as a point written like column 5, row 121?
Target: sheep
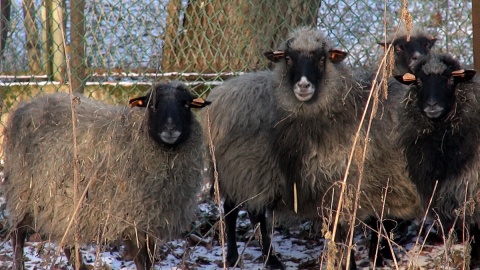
column 439, row 134
column 408, row 46
column 332, row 133
column 295, row 126
column 145, row 166
column 241, row 116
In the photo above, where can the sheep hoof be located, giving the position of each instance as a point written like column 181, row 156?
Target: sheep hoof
column 387, row 254
column 274, row 263
column 474, row 263
column 383, row 254
column 232, row 260
column 380, row 262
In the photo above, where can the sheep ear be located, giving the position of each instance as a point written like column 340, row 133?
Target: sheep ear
column 463, row 75
column 274, row 56
column 431, row 42
column 384, row 44
column 138, row 102
column 337, row 56
column 407, row 78
column 199, row 103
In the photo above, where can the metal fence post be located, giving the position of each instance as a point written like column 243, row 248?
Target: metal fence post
column 476, row 33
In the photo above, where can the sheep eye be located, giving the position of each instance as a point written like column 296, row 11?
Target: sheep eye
column 288, row 59
column 398, row 49
column 451, row 81
column 322, row 60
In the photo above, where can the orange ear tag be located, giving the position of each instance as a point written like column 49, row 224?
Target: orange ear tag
column 408, row 77
column 459, row 73
column 136, row 103
column 198, row 102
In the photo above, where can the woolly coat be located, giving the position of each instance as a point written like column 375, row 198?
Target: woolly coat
column 138, row 185
column 316, row 138
column 260, row 131
column 447, row 149
column 240, row 118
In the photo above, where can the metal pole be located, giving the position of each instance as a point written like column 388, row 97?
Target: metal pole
column 476, row 33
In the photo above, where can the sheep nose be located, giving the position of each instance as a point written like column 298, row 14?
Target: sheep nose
column 432, row 109
column 432, row 103
column 415, row 56
column 170, row 125
column 304, row 84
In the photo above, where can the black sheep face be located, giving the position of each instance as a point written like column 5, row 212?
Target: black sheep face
column 169, row 117
column 435, row 84
column 305, row 72
column 435, row 94
column 408, row 53
column 305, row 69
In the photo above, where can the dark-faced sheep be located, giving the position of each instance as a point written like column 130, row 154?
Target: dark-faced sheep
column 313, row 141
column 141, row 169
column 408, row 47
column 294, row 127
column 440, row 131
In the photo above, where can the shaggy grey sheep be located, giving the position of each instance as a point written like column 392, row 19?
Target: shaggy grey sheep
column 242, row 116
column 145, row 165
column 440, row 131
column 295, row 126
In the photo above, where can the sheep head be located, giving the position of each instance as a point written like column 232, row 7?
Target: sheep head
column 409, row 49
column 434, row 83
column 304, row 57
column 169, row 117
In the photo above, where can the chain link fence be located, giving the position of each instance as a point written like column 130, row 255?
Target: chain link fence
column 114, row 49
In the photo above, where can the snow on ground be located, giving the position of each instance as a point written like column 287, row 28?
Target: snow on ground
column 297, row 247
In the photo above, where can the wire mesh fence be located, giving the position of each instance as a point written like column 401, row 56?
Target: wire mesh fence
column 116, row 48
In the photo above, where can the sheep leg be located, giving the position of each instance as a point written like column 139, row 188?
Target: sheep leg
column 271, row 259
column 340, row 237
column 475, row 251
column 141, row 256
column 374, row 223
column 384, row 250
column 18, row 242
column 231, row 212
column 70, row 254
column 432, row 238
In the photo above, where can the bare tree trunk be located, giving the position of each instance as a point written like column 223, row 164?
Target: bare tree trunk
column 224, row 36
column 32, row 36
column 77, row 47
column 53, row 53
column 5, row 6
column 46, row 9
column 58, row 37
column 171, row 30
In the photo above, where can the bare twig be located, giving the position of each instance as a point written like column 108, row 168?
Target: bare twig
column 216, row 187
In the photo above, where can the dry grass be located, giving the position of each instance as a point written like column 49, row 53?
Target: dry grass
column 450, row 258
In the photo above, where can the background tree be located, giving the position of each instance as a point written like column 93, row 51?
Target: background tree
column 77, row 46
column 224, row 36
column 5, row 6
column 32, row 37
